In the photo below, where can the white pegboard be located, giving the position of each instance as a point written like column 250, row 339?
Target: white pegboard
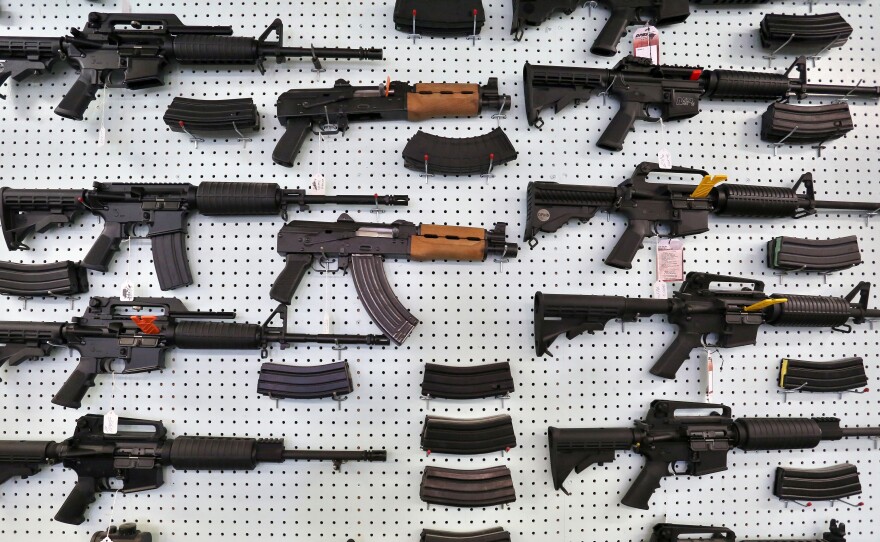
column 470, row 313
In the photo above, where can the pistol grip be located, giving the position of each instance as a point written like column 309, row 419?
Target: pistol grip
column 646, row 483
column 608, row 38
column 613, row 137
column 288, row 281
column 83, row 92
column 291, row 141
column 73, row 511
column 101, row 253
column 77, row 384
column 629, row 244
column 676, row 354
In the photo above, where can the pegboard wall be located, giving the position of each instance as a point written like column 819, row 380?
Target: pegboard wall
column 471, row 313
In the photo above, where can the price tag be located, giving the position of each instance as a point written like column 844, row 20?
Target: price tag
column 318, row 185
column 710, row 376
column 646, row 43
column 111, row 423
column 670, row 260
column 664, row 158
column 127, row 292
column 661, row 290
column 126, row 7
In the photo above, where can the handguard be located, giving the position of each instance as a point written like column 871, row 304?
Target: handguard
column 468, row 436
column 822, row 376
column 55, row 279
column 449, row 18
column 467, row 488
column 492, row 534
column 805, row 124
column 458, row 156
column 213, row 118
column 821, row 255
column 815, row 32
column 467, row 382
column 280, row 381
column 823, row 484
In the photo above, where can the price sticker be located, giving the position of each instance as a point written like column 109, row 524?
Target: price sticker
column 318, row 185
column 127, row 293
column 710, row 376
column 111, row 423
column 664, row 159
column 660, row 290
column 646, row 43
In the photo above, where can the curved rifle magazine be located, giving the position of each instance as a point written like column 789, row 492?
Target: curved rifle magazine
column 467, row 488
column 825, row 484
column 468, row 436
column 492, row 534
column 458, row 156
column 823, row 376
column 467, row 382
column 51, row 279
column 281, row 381
column 822, row 255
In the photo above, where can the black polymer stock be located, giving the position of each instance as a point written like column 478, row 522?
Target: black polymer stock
column 684, row 208
column 137, row 457
column 702, row 442
column 105, row 333
column 163, row 208
column 676, row 90
column 733, row 315
column 131, row 50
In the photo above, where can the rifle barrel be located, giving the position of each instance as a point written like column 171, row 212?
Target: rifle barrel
column 346, row 199
column 273, row 334
column 333, row 455
column 325, row 52
column 842, row 90
column 846, row 205
column 861, row 431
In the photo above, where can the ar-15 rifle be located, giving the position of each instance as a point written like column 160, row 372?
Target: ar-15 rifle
column 329, row 111
column 685, row 208
column 130, row 50
column 703, row 442
column 670, row 532
column 162, row 207
column 105, row 333
column 698, row 311
column 676, row 90
column 137, row 458
column 362, row 247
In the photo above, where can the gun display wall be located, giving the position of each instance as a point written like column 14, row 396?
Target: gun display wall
column 241, row 235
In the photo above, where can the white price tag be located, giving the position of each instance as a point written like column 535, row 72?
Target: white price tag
column 646, row 43
column 664, row 159
column 111, row 423
column 326, row 326
column 102, row 136
column 661, row 291
column 127, row 291
column 670, row 260
column 318, row 185
column 126, row 7
column 710, row 376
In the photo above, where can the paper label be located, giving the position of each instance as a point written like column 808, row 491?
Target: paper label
column 318, row 186
column 127, row 292
column 646, row 44
column 664, row 159
column 710, row 375
column 661, row 291
column 670, row 260
column 111, row 423
column 102, row 136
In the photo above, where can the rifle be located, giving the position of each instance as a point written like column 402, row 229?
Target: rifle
column 670, row 532
column 163, row 208
column 131, row 50
column 698, row 311
column 361, row 248
column 700, row 441
column 329, row 111
column 108, row 331
column 685, row 208
column 676, row 90
column 136, row 457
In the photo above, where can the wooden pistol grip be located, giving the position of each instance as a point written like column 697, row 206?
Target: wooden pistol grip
column 444, row 248
column 432, row 100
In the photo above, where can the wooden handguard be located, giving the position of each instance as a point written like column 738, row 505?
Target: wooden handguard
column 448, row 243
column 432, row 100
